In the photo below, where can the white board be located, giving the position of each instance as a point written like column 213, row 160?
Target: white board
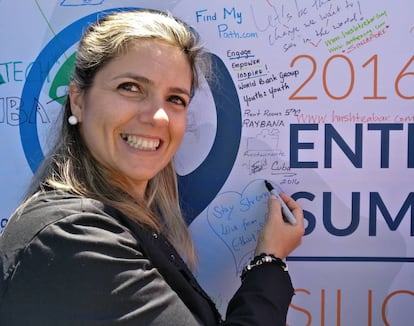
column 314, row 95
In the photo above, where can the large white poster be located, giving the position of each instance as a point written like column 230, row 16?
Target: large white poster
column 316, row 96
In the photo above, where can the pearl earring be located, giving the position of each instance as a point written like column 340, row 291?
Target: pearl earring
column 73, row 121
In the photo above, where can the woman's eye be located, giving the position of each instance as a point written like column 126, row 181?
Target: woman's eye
column 130, row 87
column 178, row 100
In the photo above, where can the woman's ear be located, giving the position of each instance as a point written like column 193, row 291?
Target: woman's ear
column 76, row 100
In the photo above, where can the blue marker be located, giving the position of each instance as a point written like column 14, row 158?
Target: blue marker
column 287, row 214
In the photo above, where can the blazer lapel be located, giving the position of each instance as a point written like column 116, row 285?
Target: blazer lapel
column 170, row 265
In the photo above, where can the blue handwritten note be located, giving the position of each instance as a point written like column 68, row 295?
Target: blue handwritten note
column 237, row 219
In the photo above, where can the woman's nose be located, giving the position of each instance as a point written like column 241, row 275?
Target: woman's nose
column 160, row 115
column 154, row 114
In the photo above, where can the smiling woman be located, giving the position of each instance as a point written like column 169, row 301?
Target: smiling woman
column 132, row 118
column 100, row 238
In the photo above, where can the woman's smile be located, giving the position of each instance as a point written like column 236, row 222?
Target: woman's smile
column 141, row 143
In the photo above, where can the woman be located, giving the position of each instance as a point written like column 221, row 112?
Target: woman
column 100, row 239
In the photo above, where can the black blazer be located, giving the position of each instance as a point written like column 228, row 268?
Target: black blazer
column 69, row 260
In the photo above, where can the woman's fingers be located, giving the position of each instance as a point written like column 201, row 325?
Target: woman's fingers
column 277, row 236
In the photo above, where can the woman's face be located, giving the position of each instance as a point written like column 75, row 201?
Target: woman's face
column 133, row 117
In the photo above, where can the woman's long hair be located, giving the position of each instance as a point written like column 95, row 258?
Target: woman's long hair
column 71, row 167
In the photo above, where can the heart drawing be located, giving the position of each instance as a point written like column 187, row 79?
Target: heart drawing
column 237, row 219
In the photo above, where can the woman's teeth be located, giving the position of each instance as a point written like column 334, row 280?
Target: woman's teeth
column 141, row 143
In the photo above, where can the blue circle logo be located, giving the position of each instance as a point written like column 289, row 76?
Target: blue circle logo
column 198, row 188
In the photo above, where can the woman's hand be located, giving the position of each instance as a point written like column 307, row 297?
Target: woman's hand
column 277, row 236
